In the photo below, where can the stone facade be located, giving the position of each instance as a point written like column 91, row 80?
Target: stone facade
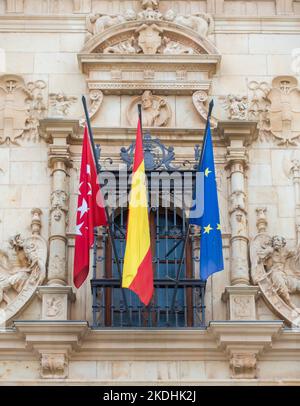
column 172, row 56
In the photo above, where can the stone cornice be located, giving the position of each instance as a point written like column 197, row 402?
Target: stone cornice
column 75, row 23
column 267, row 339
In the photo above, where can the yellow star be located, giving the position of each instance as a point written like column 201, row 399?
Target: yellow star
column 219, row 227
column 207, row 172
column 207, row 229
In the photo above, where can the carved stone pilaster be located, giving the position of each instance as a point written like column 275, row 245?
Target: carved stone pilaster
column 238, row 135
column 56, row 297
column 295, row 172
column 57, row 132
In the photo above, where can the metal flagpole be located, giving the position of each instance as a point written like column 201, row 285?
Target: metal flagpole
column 110, row 232
column 211, row 105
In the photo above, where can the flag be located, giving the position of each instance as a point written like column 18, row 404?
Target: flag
column 137, row 270
column 211, row 255
column 90, row 212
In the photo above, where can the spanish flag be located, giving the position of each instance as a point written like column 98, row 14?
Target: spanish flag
column 137, row 270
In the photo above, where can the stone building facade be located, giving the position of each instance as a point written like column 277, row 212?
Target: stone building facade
column 173, row 57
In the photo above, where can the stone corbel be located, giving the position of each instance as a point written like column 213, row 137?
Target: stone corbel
column 53, row 343
column 244, row 342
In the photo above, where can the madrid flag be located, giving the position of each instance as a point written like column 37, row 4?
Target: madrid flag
column 90, row 212
column 137, row 270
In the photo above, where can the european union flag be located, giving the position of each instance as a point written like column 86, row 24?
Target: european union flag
column 211, row 255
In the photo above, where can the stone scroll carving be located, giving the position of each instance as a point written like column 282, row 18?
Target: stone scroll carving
column 201, row 23
column 200, row 99
column 276, row 270
column 156, row 111
column 96, row 99
column 23, row 271
column 21, row 107
column 276, row 107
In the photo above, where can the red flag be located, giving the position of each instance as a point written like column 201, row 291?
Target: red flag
column 90, row 212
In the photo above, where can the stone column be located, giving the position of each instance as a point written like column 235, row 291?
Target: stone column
column 295, row 172
column 237, row 163
column 240, row 296
column 56, row 294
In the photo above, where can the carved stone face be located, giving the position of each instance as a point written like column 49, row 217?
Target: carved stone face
column 146, row 100
column 278, row 242
column 130, row 15
column 170, row 15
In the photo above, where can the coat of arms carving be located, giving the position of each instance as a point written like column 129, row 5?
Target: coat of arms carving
column 277, row 109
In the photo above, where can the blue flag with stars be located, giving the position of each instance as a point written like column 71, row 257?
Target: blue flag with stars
column 211, row 254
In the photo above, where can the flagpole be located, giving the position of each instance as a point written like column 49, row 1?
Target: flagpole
column 211, row 105
column 110, row 232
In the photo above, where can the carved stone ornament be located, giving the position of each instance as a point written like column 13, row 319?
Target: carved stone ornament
column 200, row 99
column 243, row 365
column 276, row 270
column 96, row 99
column 236, row 107
column 21, row 107
column 149, row 38
column 60, row 104
column 156, row 111
column 54, row 366
column 23, row 272
column 277, row 109
column 58, row 204
column 201, row 23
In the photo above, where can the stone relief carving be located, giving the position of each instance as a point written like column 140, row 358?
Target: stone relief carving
column 276, row 270
column 125, row 47
column 54, row 306
column 277, row 109
column 202, row 23
column 97, row 23
column 200, row 99
column 59, row 200
column 60, row 104
column 149, row 39
column 175, row 48
column 54, row 365
column 22, row 272
column 243, row 365
column 57, row 265
column 236, row 107
column 21, row 107
column 156, row 111
column 36, row 109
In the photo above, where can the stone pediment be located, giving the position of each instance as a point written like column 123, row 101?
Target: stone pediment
column 125, row 31
column 132, row 56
